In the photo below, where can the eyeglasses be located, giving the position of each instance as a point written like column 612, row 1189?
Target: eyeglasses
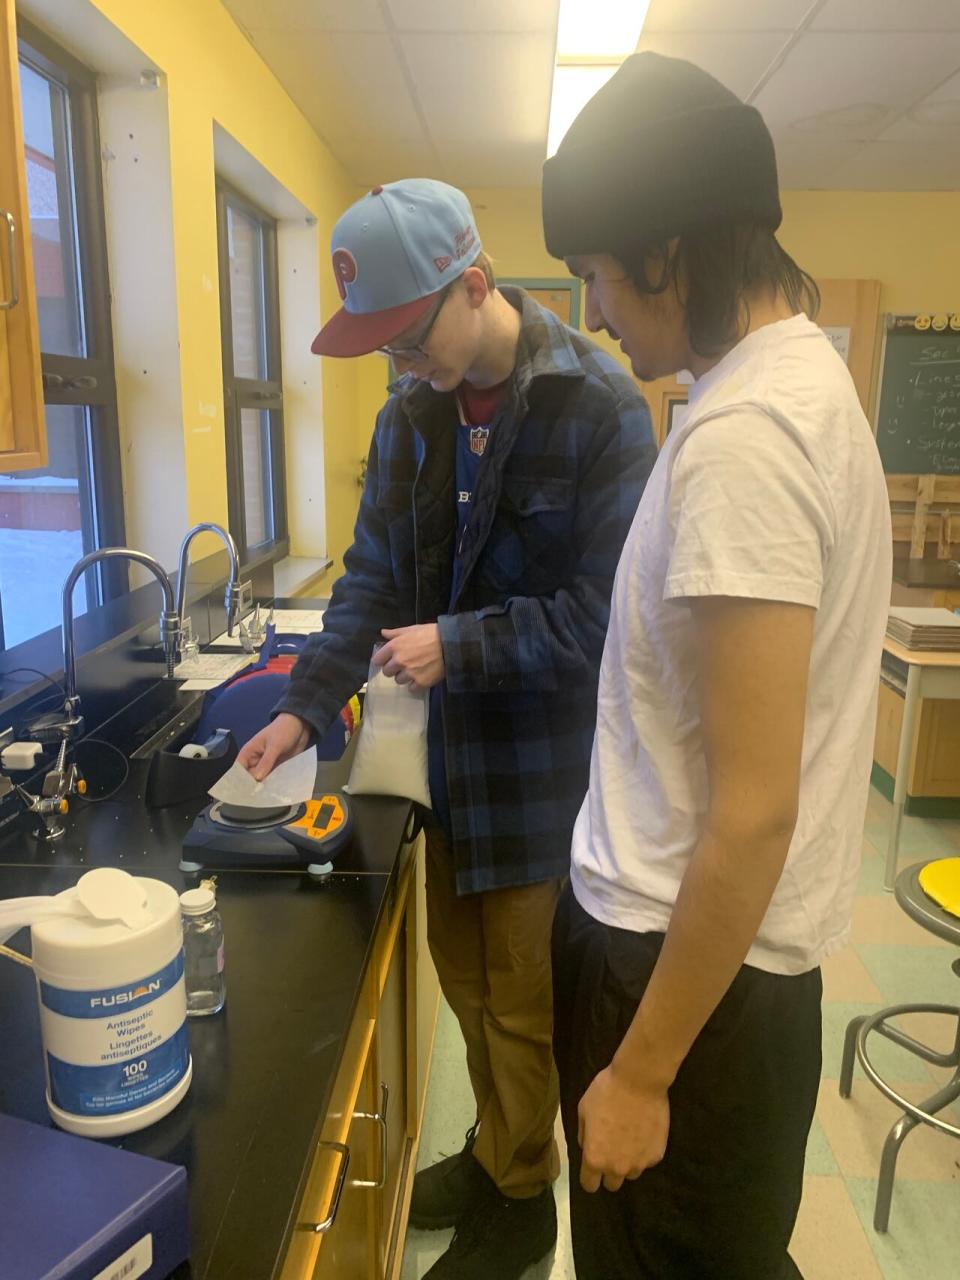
column 414, row 350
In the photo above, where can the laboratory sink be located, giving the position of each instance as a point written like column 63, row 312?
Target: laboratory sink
column 173, row 779
column 177, row 727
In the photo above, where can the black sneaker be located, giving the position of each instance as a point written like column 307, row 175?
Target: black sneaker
column 501, row 1237
column 442, row 1192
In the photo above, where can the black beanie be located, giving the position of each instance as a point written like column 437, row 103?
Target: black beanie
column 662, row 148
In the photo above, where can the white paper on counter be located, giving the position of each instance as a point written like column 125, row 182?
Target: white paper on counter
column 290, row 783
column 302, row 621
column 299, row 622
column 207, row 670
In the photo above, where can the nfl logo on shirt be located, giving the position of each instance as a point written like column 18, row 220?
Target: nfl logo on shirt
column 478, row 440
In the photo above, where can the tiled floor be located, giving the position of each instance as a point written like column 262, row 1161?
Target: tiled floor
column 891, row 960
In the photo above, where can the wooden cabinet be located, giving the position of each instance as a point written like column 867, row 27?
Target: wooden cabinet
column 934, row 769
column 351, row 1217
column 349, row 1245
column 23, row 440
column 855, row 305
column 392, row 1053
column 935, row 755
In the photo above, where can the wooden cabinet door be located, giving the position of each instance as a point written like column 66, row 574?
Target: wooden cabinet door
column 393, row 1043
column 349, row 1248
column 854, row 305
column 934, row 769
column 344, row 1249
column 23, row 439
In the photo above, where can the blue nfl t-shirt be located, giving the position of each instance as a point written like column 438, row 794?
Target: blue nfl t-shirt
column 478, row 409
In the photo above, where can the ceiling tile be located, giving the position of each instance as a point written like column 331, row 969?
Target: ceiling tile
column 307, row 15
column 350, row 86
column 471, row 104
column 381, row 159
column 474, row 15
column 491, row 165
column 725, row 15
column 903, row 166
column 738, row 60
column 483, row 88
column 826, row 73
column 813, row 164
column 937, row 116
column 888, row 15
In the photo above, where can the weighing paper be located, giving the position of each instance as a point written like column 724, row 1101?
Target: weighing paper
column 290, row 783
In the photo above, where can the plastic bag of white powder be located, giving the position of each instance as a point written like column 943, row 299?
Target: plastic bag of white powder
column 391, row 755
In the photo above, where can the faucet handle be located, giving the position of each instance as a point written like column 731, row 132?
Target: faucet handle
column 170, row 632
column 55, row 726
column 237, row 599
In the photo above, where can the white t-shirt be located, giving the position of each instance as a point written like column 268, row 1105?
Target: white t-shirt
column 769, row 488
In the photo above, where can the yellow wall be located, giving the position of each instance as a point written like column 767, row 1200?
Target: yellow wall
column 372, row 375
column 906, row 240
column 213, row 74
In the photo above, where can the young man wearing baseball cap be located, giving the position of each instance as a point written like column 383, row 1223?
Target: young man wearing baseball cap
column 504, row 472
column 716, row 854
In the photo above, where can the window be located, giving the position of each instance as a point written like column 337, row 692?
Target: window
column 253, row 394
column 50, row 517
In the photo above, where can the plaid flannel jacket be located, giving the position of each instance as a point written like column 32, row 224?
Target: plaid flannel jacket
column 567, row 459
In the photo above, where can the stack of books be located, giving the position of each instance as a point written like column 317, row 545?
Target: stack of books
column 925, row 629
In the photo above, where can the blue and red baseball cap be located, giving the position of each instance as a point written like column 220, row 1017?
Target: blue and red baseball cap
column 393, row 251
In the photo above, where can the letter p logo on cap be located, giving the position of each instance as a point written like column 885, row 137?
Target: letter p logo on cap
column 344, row 270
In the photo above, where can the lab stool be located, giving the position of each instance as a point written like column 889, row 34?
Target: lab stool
column 925, row 912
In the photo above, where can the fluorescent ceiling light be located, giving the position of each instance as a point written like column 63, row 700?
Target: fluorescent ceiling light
column 600, row 28
column 573, row 87
column 593, row 37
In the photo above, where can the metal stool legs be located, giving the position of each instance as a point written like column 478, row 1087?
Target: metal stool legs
column 891, row 1148
column 854, row 1045
column 849, row 1054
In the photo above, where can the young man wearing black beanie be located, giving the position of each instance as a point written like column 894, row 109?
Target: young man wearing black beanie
column 503, row 474
column 716, row 854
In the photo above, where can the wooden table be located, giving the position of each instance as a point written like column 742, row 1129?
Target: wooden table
column 930, row 674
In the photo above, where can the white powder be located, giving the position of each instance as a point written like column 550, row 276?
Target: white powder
column 391, row 756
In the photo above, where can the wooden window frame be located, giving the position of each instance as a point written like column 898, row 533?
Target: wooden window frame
column 252, row 393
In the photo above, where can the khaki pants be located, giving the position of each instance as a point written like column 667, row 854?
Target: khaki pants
column 492, row 953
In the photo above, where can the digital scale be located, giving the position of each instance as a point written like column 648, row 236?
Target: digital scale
column 300, row 835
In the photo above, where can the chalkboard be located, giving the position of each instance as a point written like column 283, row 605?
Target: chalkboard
column 918, row 422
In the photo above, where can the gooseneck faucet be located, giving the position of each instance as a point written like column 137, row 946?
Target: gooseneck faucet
column 169, row 617
column 233, row 595
column 64, row 779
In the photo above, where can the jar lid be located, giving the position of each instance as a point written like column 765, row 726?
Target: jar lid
column 194, row 902
column 80, row 952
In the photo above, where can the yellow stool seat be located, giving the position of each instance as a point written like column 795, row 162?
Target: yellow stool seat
column 940, row 881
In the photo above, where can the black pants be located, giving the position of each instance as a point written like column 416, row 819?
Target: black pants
column 723, row 1202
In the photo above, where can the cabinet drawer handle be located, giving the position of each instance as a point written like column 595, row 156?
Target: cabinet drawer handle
column 379, row 1118
column 14, row 298
column 317, row 1228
